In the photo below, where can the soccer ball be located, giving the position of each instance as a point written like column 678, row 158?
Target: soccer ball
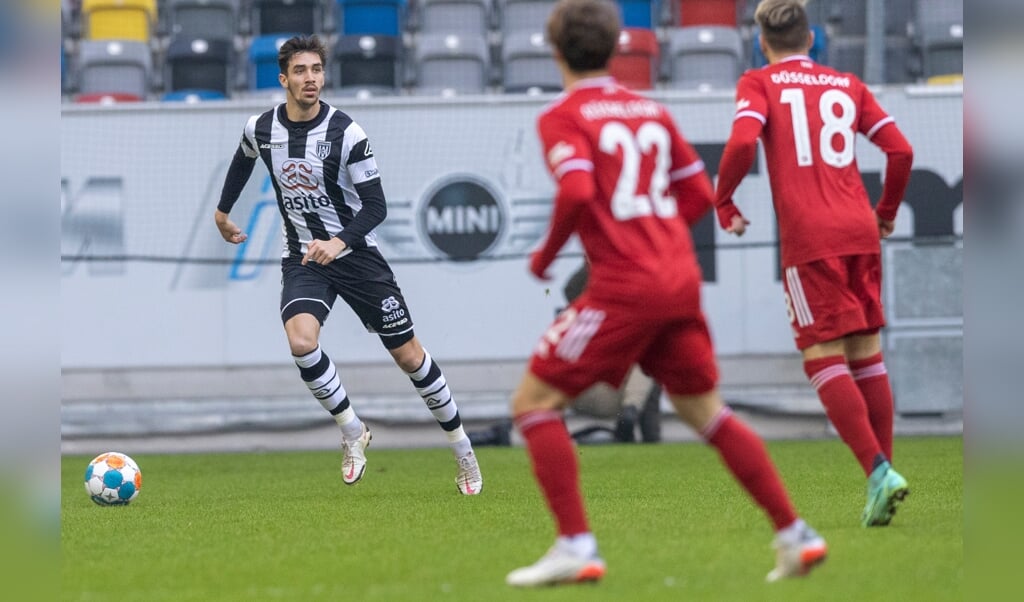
column 113, row 479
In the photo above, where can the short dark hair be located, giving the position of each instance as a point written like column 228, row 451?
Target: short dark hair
column 585, row 32
column 300, row 44
column 783, row 24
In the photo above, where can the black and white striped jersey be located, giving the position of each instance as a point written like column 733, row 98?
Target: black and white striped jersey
column 324, row 174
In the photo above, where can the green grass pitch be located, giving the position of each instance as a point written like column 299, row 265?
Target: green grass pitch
column 670, row 522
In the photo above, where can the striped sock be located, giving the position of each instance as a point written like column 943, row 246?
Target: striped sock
column 430, row 383
column 321, row 376
column 845, row 407
column 873, row 381
column 746, row 457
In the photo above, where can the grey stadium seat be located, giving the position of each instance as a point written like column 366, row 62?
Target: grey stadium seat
column 528, row 64
column 702, row 58
column 451, row 64
column 206, row 19
column 114, row 66
column 454, row 16
column 525, row 15
column 939, row 36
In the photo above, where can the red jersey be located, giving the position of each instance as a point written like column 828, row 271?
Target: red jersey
column 811, row 115
column 645, row 185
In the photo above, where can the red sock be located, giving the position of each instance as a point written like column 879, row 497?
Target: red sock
column 845, row 407
column 555, row 466
column 746, row 457
column 873, row 381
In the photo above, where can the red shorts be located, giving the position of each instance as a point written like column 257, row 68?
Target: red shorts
column 591, row 342
column 831, row 298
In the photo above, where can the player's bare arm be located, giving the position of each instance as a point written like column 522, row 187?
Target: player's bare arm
column 227, row 228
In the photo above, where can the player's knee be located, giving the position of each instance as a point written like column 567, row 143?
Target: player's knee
column 301, row 343
column 409, row 356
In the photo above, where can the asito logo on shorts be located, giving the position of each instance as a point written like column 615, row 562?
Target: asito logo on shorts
column 389, row 304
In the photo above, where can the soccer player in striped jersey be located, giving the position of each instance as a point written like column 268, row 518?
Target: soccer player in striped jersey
column 808, row 117
column 631, row 187
column 329, row 193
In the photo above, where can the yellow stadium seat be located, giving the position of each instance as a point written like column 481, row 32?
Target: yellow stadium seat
column 946, row 80
column 118, row 19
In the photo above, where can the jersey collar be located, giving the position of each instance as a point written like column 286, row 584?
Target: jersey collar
column 796, row 57
column 282, row 116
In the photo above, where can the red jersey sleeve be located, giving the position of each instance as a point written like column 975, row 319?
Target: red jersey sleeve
column 741, row 149
column 688, row 179
column 880, row 128
column 568, row 157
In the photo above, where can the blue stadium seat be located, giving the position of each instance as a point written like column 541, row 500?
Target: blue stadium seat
column 639, row 13
column 383, row 17
column 263, row 68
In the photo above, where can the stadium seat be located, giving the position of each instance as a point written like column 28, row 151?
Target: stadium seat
column 942, row 50
column 528, row 64
column 381, row 17
column 282, row 16
column 846, row 54
column 702, row 58
column 367, row 64
column 118, row 19
column 192, row 96
column 113, row 67
column 898, row 16
column 639, row 13
column 707, row 12
column 525, row 15
column 846, row 18
column 452, row 64
column 206, row 19
column 635, row 62
column 898, row 52
column 263, row 67
column 453, row 16
column 107, row 98
column 198, row 64
column 939, row 37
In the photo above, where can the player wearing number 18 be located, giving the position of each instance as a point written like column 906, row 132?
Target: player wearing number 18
column 630, row 186
column 808, row 117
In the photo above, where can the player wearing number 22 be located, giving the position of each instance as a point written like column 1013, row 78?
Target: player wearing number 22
column 808, row 116
column 630, row 187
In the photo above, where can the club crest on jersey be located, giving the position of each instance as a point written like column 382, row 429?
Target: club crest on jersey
column 323, row 148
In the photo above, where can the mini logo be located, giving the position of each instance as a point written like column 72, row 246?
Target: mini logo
column 390, row 304
column 461, row 217
column 742, row 104
column 298, row 174
column 323, row 148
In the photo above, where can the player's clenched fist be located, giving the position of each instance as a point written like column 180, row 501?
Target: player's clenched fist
column 228, row 230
